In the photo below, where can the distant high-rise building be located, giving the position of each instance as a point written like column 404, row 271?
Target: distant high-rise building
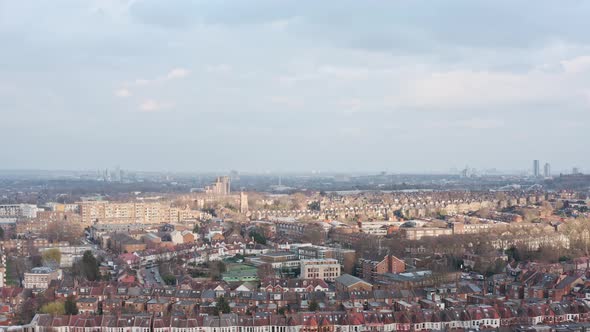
column 243, row 202
column 117, row 174
column 221, row 187
column 547, row 170
column 575, row 170
column 536, row 168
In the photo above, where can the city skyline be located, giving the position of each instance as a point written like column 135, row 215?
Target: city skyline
column 490, row 169
column 294, row 166
column 293, row 86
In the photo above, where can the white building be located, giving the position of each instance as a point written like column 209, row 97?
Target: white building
column 325, row 269
column 40, row 277
column 176, row 237
column 69, row 254
column 18, row 211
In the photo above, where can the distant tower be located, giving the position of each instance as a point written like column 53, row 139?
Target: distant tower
column 226, row 184
column 547, row 170
column 536, row 168
column 465, row 172
column 223, row 186
column 117, row 174
column 243, row 202
column 575, row 170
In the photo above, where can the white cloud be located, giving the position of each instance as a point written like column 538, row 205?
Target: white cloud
column 351, row 104
column 141, row 81
column 478, row 123
column 283, row 24
column 220, row 68
column 351, row 132
column 473, row 123
column 345, row 73
column 151, row 105
column 577, row 65
column 285, row 101
column 475, row 90
column 177, row 73
column 123, row 93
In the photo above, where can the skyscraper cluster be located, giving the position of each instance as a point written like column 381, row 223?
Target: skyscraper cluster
column 537, row 169
column 221, row 187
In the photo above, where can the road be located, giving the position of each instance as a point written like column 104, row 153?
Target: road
column 151, row 276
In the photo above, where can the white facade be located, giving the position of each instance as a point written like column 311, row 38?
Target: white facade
column 70, row 254
column 325, row 269
column 18, row 210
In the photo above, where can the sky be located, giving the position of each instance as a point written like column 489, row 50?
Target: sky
column 294, row 85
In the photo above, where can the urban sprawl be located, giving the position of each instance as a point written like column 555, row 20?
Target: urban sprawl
column 470, row 252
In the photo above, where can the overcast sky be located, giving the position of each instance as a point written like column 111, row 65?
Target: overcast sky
column 396, row 85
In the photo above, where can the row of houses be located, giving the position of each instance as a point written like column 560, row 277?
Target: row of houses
column 469, row 317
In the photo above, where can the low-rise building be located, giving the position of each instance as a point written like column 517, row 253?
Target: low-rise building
column 240, row 273
column 326, row 269
column 124, row 243
column 69, row 254
column 417, row 233
column 279, row 260
column 87, row 305
column 40, row 277
column 349, row 283
column 389, row 264
column 378, row 227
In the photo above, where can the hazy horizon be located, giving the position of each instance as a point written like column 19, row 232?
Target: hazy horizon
column 275, row 172
column 349, row 86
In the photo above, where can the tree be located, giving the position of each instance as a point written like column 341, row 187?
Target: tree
column 517, row 253
column 53, row 308
column 348, row 263
column 196, row 228
column 37, row 260
column 400, row 214
column 222, row 305
column 282, row 311
column 497, row 267
column 169, row 279
column 314, row 233
column 70, row 306
column 216, row 269
column 314, row 206
column 258, row 237
column 1, row 233
column 63, row 230
column 265, row 270
column 210, row 211
column 314, row 306
column 527, row 214
column 483, row 212
column 230, row 206
column 483, row 248
column 52, row 257
column 87, row 267
column 548, row 253
column 27, row 311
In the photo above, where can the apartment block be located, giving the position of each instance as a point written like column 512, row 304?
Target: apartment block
column 325, row 269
